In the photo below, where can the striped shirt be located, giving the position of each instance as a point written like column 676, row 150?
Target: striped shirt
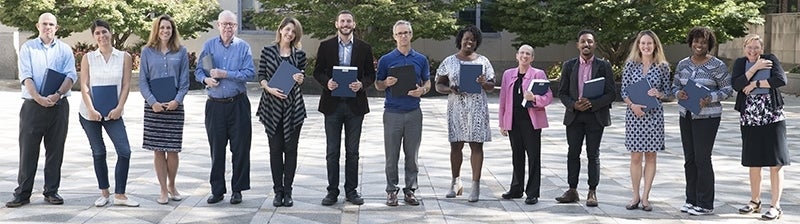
column 276, row 114
column 712, row 74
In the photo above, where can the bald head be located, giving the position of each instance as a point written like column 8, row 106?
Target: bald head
column 47, row 27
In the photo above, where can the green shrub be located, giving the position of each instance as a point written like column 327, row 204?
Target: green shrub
column 796, row 69
column 554, row 71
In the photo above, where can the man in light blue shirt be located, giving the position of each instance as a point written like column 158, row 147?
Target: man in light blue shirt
column 43, row 116
column 227, row 107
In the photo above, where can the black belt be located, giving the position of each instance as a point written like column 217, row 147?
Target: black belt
column 228, row 99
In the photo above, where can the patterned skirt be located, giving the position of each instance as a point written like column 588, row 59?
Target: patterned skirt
column 163, row 131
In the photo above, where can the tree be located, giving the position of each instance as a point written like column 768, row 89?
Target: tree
column 127, row 17
column 616, row 22
column 433, row 19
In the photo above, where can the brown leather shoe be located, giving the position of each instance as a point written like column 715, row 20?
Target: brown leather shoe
column 591, row 199
column 391, row 199
column 569, row 196
column 410, row 199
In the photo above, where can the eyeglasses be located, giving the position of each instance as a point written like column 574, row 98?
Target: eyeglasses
column 404, row 33
column 228, row 24
column 49, row 24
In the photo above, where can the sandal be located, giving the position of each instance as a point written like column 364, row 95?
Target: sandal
column 751, row 207
column 772, row 213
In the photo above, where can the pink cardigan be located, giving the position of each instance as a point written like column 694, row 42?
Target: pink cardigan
column 537, row 113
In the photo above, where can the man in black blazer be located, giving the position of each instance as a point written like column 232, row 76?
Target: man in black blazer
column 343, row 50
column 585, row 117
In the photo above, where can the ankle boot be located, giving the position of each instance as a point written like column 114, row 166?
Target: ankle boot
column 476, row 191
column 456, row 188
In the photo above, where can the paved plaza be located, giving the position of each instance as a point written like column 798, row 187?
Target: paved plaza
column 79, row 186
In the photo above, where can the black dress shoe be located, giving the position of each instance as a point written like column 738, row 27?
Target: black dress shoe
column 510, row 195
column 215, row 198
column 287, row 199
column 54, row 199
column 355, row 198
column 17, row 201
column 236, row 197
column 330, row 199
column 531, row 200
column 278, row 201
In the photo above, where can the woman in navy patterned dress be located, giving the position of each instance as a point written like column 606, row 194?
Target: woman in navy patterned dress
column 762, row 123
column 644, row 129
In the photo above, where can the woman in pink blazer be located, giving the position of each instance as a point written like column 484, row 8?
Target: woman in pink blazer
column 523, row 124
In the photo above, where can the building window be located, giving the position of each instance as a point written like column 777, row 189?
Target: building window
column 248, row 8
column 474, row 15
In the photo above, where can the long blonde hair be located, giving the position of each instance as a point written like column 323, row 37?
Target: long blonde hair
column 658, row 50
column 174, row 43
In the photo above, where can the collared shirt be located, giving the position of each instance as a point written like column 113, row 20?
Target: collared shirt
column 584, row 72
column 154, row 65
column 35, row 58
column 345, row 51
column 235, row 59
column 394, row 59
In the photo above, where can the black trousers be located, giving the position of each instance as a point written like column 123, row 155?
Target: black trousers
column 525, row 140
column 36, row 123
column 229, row 121
column 697, row 138
column 343, row 116
column 586, row 126
column 283, row 159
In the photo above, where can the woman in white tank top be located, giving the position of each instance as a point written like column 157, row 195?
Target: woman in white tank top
column 105, row 81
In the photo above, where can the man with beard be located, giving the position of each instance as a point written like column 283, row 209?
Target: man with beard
column 585, row 118
column 227, row 107
column 343, row 50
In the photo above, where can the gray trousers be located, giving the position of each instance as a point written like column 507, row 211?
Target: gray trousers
column 405, row 129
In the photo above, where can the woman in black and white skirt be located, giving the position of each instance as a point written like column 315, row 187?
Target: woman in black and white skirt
column 757, row 77
column 164, row 81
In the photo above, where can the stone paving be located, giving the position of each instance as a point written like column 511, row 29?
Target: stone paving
column 79, row 186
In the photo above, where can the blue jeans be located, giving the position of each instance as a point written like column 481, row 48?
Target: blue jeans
column 116, row 131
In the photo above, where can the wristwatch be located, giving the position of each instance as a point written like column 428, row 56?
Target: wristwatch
column 758, row 84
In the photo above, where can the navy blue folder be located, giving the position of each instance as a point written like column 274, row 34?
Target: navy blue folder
column 406, row 80
column 282, row 79
column 594, row 88
column 538, row 87
column 163, row 89
column 468, row 75
column 637, row 93
column 695, row 91
column 344, row 75
column 762, row 74
column 105, row 98
column 52, row 82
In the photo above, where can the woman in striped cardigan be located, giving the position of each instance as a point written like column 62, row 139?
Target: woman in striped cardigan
column 282, row 113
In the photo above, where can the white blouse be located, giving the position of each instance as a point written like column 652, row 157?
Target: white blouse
column 103, row 73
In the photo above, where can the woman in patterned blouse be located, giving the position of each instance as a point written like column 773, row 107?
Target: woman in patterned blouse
column 698, row 131
column 762, row 122
column 282, row 113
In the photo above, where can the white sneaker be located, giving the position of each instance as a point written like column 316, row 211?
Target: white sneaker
column 128, row 203
column 686, row 207
column 101, row 201
column 697, row 210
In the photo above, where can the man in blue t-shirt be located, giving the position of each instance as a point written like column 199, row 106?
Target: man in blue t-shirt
column 402, row 117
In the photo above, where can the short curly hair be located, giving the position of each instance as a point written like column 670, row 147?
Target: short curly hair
column 476, row 32
column 701, row 32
